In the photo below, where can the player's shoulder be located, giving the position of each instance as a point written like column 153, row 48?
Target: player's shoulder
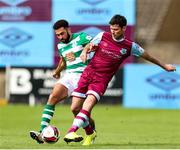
column 83, row 35
column 128, row 41
column 100, row 34
column 131, row 43
column 60, row 45
column 106, row 33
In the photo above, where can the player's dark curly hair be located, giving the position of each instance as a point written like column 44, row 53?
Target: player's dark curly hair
column 60, row 23
column 118, row 19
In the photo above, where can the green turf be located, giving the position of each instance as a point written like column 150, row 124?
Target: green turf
column 117, row 127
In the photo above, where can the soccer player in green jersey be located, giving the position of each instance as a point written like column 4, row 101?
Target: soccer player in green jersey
column 70, row 48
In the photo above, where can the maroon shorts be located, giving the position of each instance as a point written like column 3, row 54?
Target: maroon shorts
column 91, row 83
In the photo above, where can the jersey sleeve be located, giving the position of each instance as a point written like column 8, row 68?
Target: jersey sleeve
column 97, row 39
column 85, row 38
column 136, row 50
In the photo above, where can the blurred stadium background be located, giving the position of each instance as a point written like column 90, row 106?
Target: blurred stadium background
column 28, row 52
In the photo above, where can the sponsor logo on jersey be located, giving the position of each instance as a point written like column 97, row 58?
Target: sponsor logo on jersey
column 111, row 54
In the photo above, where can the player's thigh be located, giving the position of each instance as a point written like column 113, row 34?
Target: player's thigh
column 69, row 80
column 59, row 91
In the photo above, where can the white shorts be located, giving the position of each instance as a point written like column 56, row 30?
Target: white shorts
column 69, row 80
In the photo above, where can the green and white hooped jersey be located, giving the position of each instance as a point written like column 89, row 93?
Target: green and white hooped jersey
column 78, row 41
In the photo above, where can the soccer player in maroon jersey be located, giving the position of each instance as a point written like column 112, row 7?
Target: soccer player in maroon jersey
column 111, row 49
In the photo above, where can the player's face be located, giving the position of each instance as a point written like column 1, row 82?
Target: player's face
column 117, row 31
column 63, row 34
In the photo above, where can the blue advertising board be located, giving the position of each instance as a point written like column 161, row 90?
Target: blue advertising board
column 93, row 12
column 26, row 35
column 149, row 86
column 26, row 44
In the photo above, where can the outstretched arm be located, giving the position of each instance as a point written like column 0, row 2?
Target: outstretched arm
column 167, row 67
column 60, row 67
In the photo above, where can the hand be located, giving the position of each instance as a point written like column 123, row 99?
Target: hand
column 169, row 67
column 83, row 56
column 56, row 75
column 92, row 47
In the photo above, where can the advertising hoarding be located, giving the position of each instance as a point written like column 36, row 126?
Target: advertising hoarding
column 25, row 10
column 25, row 83
column 25, row 44
column 38, row 83
column 149, row 86
column 26, row 34
column 93, row 12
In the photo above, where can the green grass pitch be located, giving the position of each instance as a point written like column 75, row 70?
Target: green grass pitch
column 117, row 127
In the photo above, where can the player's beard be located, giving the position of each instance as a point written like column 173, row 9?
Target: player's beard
column 118, row 37
column 67, row 39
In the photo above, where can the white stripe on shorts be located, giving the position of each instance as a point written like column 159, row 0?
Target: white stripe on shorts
column 78, row 94
column 94, row 93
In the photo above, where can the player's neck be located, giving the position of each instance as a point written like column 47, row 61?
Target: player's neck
column 70, row 38
column 119, row 39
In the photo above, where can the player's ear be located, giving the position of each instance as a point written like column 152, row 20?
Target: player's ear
column 124, row 28
column 69, row 30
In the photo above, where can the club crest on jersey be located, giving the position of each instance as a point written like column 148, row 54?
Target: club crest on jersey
column 123, row 51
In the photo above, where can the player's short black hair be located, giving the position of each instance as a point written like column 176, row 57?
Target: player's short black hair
column 118, row 19
column 60, row 23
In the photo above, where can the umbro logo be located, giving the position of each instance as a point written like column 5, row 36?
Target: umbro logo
column 13, row 37
column 166, row 81
column 93, row 2
column 13, row 2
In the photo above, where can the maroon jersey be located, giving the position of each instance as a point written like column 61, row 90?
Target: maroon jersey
column 104, row 64
column 109, row 55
